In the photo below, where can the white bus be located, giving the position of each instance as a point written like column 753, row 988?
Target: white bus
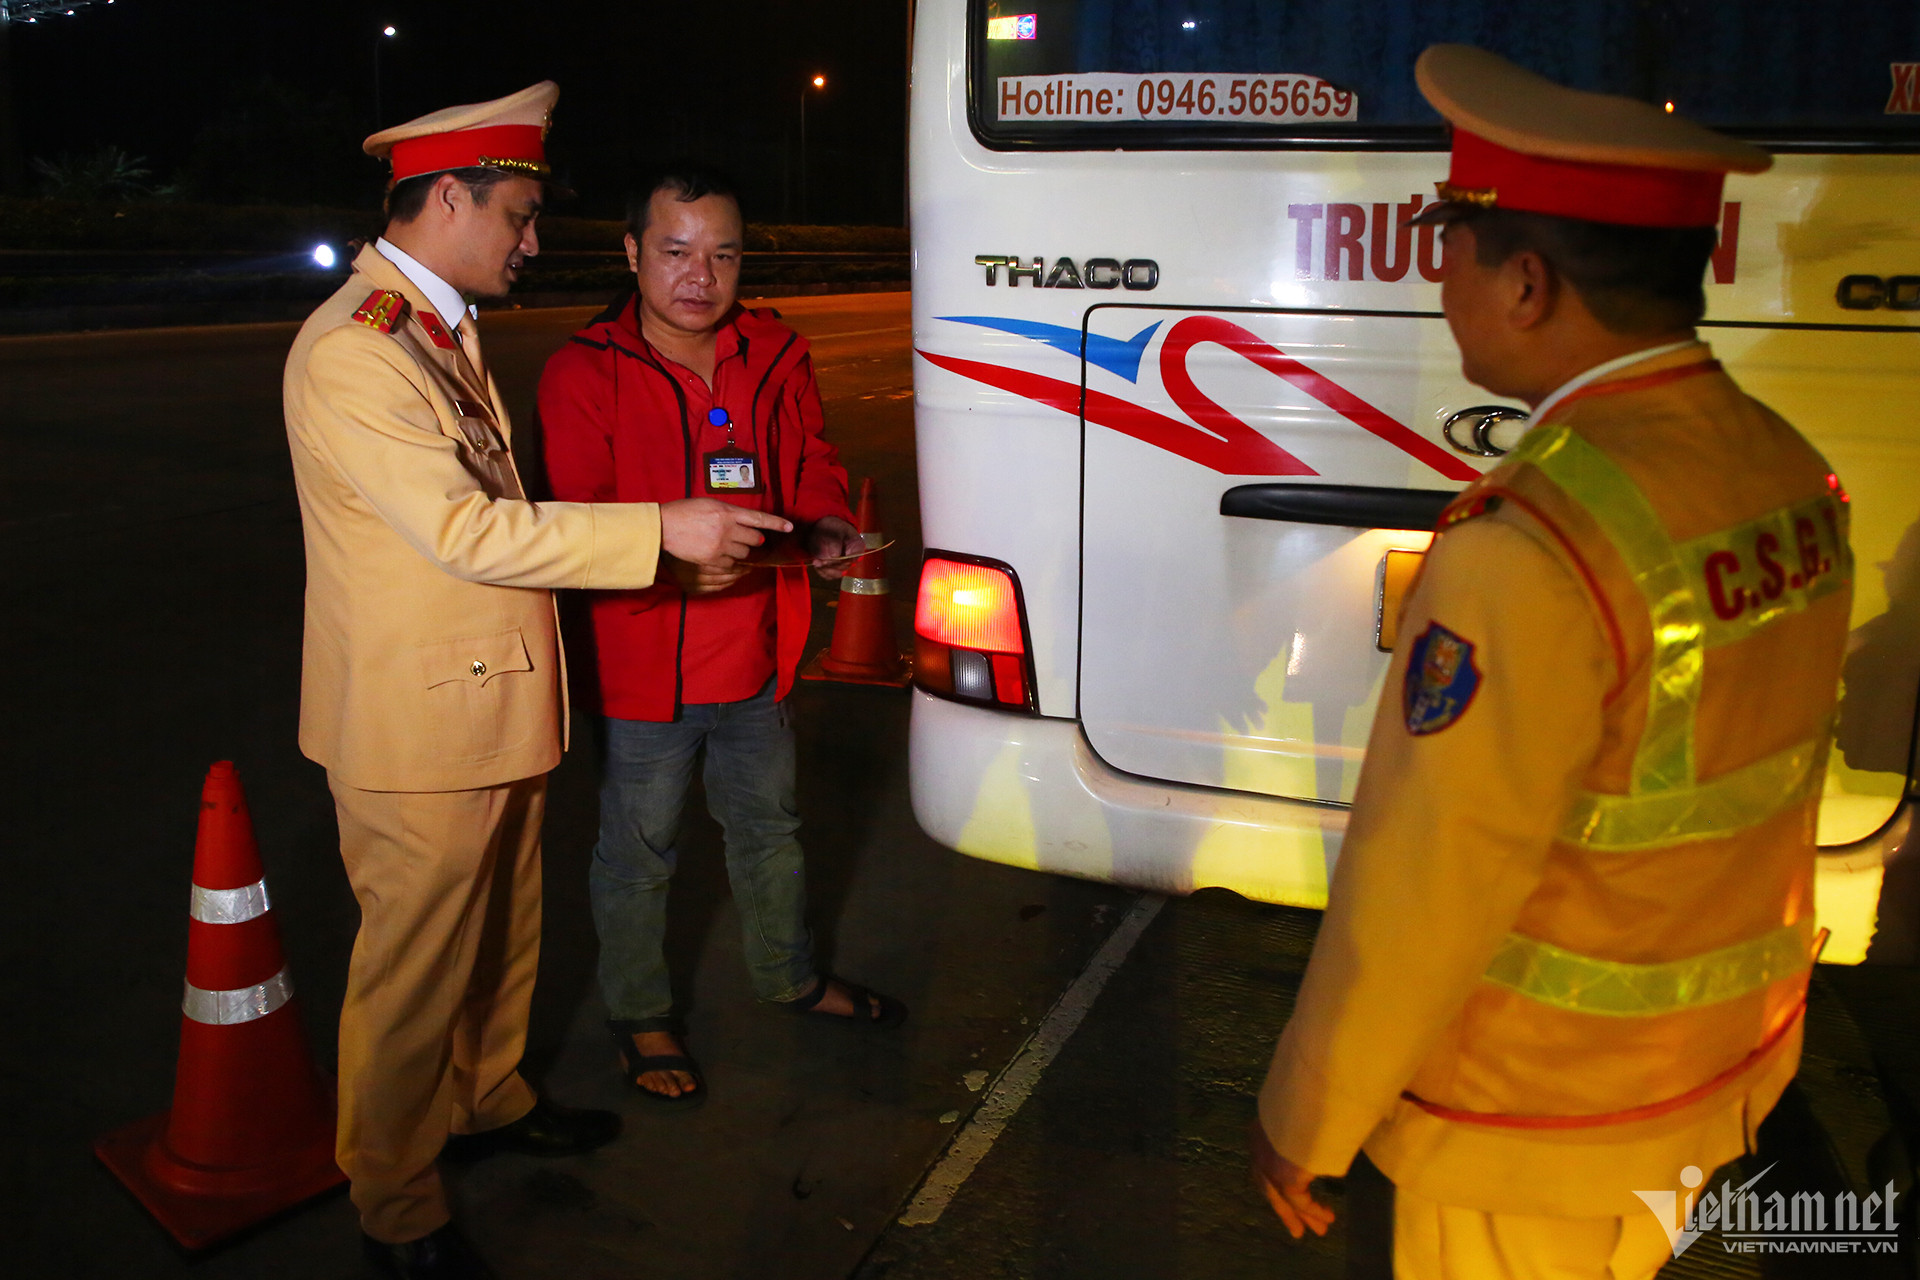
column 1186, row 407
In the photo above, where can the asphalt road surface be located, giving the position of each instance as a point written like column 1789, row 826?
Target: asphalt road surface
column 151, row 563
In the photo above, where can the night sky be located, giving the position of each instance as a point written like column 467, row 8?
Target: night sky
column 268, row 100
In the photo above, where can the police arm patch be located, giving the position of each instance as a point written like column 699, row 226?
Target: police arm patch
column 1440, row 682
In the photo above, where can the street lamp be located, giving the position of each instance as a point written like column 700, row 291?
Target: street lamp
column 818, row 82
column 386, row 33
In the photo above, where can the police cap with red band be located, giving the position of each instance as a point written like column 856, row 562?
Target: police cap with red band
column 509, row 134
column 1522, row 142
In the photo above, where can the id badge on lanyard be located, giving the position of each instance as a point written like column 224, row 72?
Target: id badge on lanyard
column 730, row 469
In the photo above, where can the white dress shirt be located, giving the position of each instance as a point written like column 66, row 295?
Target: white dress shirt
column 446, row 299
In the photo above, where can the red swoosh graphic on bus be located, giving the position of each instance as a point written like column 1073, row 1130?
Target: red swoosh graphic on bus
column 1242, row 452
column 1223, row 442
column 1193, row 330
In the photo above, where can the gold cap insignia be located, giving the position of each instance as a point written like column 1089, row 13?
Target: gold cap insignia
column 1482, row 196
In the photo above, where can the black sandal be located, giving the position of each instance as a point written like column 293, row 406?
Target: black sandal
column 638, row 1064
column 891, row 1012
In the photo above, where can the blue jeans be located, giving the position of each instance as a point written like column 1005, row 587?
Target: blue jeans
column 749, row 777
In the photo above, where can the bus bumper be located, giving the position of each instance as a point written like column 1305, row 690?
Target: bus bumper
column 1029, row 791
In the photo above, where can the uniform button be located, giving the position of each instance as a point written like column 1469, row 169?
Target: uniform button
column 479, row 667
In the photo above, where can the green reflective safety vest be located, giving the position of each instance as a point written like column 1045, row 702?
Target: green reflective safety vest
column 1664, row 957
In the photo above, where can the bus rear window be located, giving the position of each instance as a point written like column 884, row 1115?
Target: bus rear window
column 1173, row 73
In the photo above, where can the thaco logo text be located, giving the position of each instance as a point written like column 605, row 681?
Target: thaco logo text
column 1096, row 273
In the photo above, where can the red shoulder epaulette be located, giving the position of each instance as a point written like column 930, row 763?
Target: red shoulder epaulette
column 384, row 309
column 1458, row 512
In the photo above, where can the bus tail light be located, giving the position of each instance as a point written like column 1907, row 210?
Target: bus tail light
column 970, row 633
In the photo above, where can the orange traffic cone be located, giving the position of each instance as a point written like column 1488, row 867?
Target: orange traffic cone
column 250, row 1131
column 863, row 649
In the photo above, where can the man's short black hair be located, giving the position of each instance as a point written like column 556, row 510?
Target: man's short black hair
column 408, row 197
column 1635, row 280
column 688, row 180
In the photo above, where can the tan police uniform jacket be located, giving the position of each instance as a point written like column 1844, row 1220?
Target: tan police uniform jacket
column 1568, row 937
column 432, row 657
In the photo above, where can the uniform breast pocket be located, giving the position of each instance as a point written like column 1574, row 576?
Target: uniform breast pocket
column 476, row 426
column 483, row 451
column 481, row 436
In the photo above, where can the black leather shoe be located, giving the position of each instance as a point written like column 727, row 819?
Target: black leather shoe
column 443, row 1255
column 548, row 1130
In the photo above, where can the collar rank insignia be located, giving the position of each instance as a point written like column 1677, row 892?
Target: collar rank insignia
column 1441, row 680
column 436, row 330
column 383, row 310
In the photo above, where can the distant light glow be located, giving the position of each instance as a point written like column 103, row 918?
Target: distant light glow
column 819, row 82
column 388, row 31
column 1669, row 108
column 1020, row 26
column 1188, row 25
column 323, row 257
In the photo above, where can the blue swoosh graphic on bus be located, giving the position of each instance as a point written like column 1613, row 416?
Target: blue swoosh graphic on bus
column 1110, row 354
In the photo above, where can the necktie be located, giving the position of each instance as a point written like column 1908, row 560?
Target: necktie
column 469, row 332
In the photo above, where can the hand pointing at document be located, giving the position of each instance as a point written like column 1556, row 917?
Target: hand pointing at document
column 707, row 531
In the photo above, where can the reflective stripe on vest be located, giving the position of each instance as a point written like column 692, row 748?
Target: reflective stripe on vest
column 1663, row 761
column 1794, row 574
column 1546, row 973
column 1731, row 802
column 1665, row 803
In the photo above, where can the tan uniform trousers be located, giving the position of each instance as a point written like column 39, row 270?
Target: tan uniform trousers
column 435, row 1019
column 1434, row 1241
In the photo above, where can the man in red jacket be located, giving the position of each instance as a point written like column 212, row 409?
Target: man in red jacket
column 676, row 392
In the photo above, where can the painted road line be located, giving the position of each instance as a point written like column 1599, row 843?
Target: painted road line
column 1005, row 1097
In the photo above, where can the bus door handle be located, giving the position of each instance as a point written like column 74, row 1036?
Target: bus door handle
column 1350, row 506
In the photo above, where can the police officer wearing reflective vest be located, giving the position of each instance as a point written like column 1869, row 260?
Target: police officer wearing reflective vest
column 1567, row 947
column 433, row 684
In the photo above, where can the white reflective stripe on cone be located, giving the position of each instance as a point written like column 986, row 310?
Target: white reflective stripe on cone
column 864, row 586
column 244, row 1004
column 873, row 539
column 229, row 906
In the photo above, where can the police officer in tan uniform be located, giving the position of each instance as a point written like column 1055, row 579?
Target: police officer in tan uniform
column 1567, row 946
column 433, row 684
